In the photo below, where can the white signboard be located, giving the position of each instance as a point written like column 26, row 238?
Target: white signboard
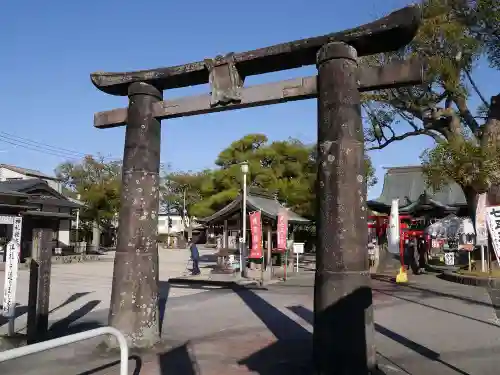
column 7, row 219
column 11, row 268
column 393, row 232
column 481, row 227
column 449, row 258
column 298, row 247
column 493, row 220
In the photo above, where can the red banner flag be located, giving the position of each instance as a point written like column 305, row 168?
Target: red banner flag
column 282, row 231
column 256, row 231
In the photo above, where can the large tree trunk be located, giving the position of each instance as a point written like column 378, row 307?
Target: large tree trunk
column 491, row 138
column 492, row 135
column 491, row 132
column 471, row 197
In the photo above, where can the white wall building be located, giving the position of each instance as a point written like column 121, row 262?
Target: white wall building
column 178, row 225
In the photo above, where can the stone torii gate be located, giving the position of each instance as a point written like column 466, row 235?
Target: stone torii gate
column 343, row 313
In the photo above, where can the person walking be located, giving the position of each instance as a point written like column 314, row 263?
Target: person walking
column 195, row 257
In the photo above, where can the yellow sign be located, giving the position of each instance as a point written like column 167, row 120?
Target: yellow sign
column 402, row 276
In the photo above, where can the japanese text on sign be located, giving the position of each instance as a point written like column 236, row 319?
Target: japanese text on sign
column 481, row 228
column 493, row 220
column 11, row 269
column 282, row 230
column 256, row 231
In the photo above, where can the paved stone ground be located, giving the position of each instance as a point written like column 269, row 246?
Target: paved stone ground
column 428, row 327
column 80, row 288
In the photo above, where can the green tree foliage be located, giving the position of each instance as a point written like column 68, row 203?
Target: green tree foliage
column 455, row 34
column 483, row 18
column 284, row 168
column 98, row 183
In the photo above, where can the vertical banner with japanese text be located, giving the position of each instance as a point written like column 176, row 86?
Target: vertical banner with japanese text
column 481, row 227
column 11, row 269
column 282, row 230
column 256, row 231
column 493, row 220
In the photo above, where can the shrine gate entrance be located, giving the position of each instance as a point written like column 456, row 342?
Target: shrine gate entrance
column 343, row 312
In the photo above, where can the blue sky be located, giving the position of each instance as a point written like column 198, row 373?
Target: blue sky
column 49, row 48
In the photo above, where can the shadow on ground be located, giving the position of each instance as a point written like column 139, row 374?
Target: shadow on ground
column 308, row 316
column 179, row 360
column 69, row 325
column 22, row 309
column 135, row 364
column 72, row 324
column 291, row 353
column 422, row 292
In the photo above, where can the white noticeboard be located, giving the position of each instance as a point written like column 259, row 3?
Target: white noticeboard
column 7, row 219
column 11, row 270
column 449, row 258
column 298, row 247
column 481, row 227
column 493, row 220
column 393, row 230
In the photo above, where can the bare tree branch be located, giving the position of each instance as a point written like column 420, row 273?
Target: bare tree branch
column 401, row 137
column 475, row 87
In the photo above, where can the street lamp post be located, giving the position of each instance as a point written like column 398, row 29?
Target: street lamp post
column 243, row 257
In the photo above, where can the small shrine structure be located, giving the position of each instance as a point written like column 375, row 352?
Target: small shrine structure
column 228, row 220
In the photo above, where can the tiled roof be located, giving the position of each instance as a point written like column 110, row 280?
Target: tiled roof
column 269, row 208
column 408, row 184
column 20, row 185
column 28, row 172
column 22, row 188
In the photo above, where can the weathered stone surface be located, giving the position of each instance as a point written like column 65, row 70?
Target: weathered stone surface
column 134, row 298
column 342, row 285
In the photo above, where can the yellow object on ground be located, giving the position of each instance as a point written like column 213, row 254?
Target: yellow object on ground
column 402, row 276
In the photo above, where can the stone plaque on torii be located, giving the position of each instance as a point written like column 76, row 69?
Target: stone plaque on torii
column 343, row 316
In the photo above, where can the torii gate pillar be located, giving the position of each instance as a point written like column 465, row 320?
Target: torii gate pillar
column 136, row 247
column 342, row 285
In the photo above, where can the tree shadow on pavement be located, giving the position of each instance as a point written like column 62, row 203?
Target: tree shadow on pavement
column 163, row 294
column 22, row 309
column 178, row 361
column 426, row 292
column 136, row 366
column 308, row 316
column 66, row 327
column 418, row 302
column 291, row 353
column 347, row 318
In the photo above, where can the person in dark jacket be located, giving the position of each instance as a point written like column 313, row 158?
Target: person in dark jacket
column 195, row 257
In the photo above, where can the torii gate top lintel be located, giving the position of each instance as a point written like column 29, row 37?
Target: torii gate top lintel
column 383, row 35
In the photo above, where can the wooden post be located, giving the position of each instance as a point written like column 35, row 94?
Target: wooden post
column 225, row 236
column 39, row 286
column 269, row 250
column 134, row 297
column 343, row 339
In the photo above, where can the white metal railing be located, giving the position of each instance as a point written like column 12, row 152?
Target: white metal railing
column 70, row 339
